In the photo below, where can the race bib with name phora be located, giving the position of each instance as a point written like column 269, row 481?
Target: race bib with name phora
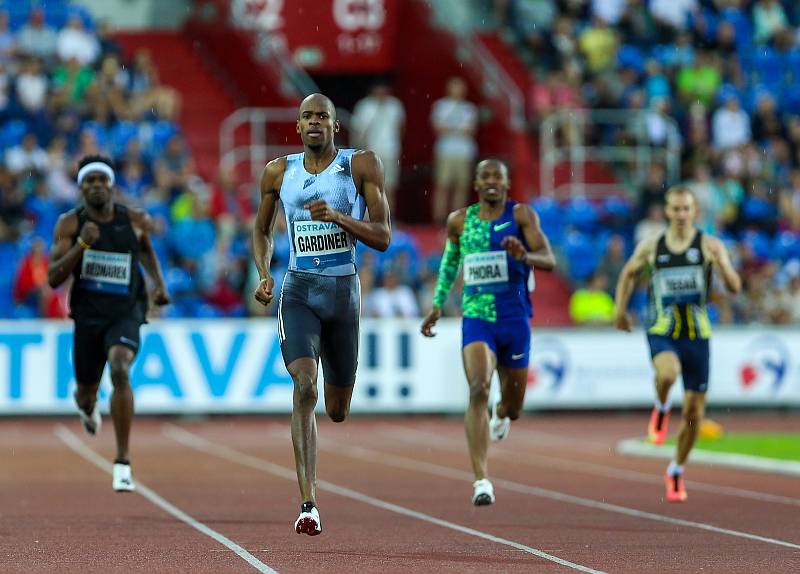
column 320, row 244
column 680, row 285
column 105, row 271
column 486, row 272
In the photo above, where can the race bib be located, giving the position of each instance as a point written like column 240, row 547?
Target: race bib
column 680, row 285
column 318, row 244
column 486, row 272
column 106, row 271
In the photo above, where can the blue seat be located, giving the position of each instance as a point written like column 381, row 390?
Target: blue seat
column 582, row 256
column 768, row 66
column 551, row 216
column 582, row 214
column 759, row 243
column 120, row 134
column 787, row 245
column 631, row 57
column 12, row 133
column 757, row 210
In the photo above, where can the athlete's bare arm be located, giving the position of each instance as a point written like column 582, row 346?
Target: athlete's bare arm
column 448, row 269
column 540, row 255
column 714, row 250
column 263, row 240
column 65, row 254
column 642, row 255
column 143, row 223
column 368, row 177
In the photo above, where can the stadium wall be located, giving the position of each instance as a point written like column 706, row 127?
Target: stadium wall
column 231, row 366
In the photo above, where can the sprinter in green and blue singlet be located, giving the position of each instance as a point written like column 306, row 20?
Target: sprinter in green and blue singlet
column 680, row 262
column 497, row 242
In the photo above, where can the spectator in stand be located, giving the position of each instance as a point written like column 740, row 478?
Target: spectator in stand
column 699, row 81
column 175, row 166
column 74, row 42
column 27, row 157
column 377, row 124
column 5, row 91
column 31, row 89
column 532, row 21
column 148, row 96
column 455, row 123
column 610, row 11
column 36, row 39
column 654, row 189
column 789, row 203
column 12, row 206
column 105, row 39
column 393, row 299
column 592, row 304
column 30, row 284
column 552, row 95
column 61, row 184
column 71, row 80
column 8, row 44
column 671, row 17
column 652, row 225
column 730, row 125
column 599, row 44
column 769, row 18
column 612, row 262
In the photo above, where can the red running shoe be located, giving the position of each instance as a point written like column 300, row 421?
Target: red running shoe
column 657, row 429
column 676, row 491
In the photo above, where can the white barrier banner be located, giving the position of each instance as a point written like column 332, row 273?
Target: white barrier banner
column 236, row 366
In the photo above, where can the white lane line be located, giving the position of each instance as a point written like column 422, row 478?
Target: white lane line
column 197, row 442
column 449, row 472
column 79, row 447
column 406, row 434
column 636, row 447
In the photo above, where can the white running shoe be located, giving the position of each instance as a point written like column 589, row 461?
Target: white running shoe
column 91, row 422
column 482, row 492
column 123, row 481
column 308, row 522
column 498, row 427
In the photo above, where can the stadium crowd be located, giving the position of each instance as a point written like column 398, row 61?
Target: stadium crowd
column 728, row 71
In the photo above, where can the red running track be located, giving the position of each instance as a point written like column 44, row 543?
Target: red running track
column 394, row 496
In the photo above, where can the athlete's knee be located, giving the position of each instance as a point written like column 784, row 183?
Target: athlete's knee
column 693, row 414
column 305, row 388
column 337, row 413
column 479, row 390
column 119, row 371
column 666, row 377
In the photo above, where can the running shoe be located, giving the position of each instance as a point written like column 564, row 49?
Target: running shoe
column 482, row 492
column 498, row 427
column 657, row 429
column 122, row 481
column 91, row 422
column 308, row 521
column 676, row 491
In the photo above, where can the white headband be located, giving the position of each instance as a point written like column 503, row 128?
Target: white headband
column 96, row 166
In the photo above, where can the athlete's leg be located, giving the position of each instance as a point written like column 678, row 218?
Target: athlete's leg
column 513, row 383
column 668, row 368
column 304, row 425
column 89, row 360
column 337, row 401
column 694, row 408
column 120, row 358
column 479, row 364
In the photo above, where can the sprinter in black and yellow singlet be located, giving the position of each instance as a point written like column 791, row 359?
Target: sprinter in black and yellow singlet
column 101, row 245
column 680, row 262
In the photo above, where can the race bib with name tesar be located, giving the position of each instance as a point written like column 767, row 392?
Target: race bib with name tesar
column 105, row 271
column 486, row 272
column 319, row 244
column 680, row 285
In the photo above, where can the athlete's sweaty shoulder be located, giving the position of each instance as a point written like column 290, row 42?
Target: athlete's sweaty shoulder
column 272, row 176
column 455, row 223
column 366, row 167
column 645, row 251
column 525, row 214
column 67, row 224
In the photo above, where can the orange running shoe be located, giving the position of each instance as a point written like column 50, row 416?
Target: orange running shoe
column 676, row 491
column 657, row 429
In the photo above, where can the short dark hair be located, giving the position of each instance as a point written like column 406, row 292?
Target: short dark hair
column 679, row 190
column 86, row 160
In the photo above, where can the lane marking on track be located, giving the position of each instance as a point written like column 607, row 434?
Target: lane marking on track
column 634, row 446
column 197, row 442
column 405, row 434
column 81, row 449
column 452, row 473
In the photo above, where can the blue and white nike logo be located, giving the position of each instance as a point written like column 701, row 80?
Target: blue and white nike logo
column 337, row 168
column 502, row 226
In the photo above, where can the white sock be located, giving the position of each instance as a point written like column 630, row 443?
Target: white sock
column 675, row 469
column 664, row 407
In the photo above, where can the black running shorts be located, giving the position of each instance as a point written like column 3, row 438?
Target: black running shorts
column 92, row 341
column 318, row 317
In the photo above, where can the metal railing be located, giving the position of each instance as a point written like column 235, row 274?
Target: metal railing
column 636, row 158
column 255, row 150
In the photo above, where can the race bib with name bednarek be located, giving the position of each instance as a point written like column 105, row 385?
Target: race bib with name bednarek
column 106, row 271
column 486, row 272
column 320, row 244
column 680, row 285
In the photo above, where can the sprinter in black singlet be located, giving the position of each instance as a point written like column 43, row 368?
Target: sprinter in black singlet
column 679, row 262
column 101, row 245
